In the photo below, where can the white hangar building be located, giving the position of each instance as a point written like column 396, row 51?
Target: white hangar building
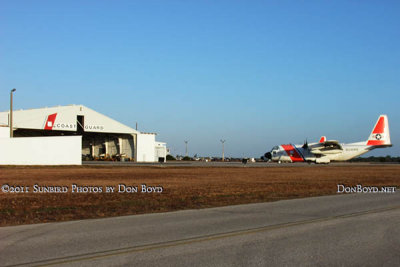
column 102, row 136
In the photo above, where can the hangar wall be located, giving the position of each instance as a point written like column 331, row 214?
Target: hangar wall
column 145, row 147
column 160, row 151
column 4, row 132
column 52, row 150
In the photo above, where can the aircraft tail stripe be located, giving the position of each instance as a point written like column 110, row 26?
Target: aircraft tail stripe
column 380, row 135
column 375, row 142
column 380, row 126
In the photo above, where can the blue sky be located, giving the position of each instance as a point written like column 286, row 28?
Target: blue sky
column 256, row 73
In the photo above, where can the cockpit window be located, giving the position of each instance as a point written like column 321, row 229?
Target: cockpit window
column 275, row 148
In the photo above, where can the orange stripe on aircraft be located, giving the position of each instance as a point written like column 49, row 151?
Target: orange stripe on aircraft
column 375, row 142
column 380, row 126
column 292, row 153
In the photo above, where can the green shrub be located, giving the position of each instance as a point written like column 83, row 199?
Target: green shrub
column 170, row 157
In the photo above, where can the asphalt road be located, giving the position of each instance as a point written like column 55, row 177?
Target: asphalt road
column 340, row 230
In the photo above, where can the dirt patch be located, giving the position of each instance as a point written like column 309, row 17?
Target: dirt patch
column 183, row 188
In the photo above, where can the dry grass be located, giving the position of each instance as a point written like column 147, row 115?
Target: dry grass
column 184, row 188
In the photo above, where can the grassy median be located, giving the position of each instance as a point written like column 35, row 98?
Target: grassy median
column 181, row 188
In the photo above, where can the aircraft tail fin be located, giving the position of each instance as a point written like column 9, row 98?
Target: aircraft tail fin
column 322, row 139
column 380, row 135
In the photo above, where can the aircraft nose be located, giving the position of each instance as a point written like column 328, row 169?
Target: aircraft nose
column 268, row 155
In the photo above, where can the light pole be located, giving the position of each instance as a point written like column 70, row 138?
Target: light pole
column 11, row 112
column 186, row 151
column 223, row 148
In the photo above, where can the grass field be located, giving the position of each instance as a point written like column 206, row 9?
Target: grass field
column 183, row 188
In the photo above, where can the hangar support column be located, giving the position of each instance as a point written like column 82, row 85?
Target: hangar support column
column 134, row 147
column 93, row 146
column 120, row 145
column 106, row 146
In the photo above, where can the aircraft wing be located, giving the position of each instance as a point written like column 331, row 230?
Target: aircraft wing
column 331, row 143
column 327, row 147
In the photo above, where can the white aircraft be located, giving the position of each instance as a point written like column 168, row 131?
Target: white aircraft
column 326, row 151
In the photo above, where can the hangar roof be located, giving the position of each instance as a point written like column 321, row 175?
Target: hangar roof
column 65, row 118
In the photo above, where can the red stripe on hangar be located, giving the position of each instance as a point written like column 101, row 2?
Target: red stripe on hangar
column 292, row 153
column 50, row 121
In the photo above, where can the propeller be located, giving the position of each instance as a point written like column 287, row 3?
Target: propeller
column 268, row 155
column 305, row 146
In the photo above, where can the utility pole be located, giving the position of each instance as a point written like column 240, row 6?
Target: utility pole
column 186, row 150
column 11, row 113
column 223, row 149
